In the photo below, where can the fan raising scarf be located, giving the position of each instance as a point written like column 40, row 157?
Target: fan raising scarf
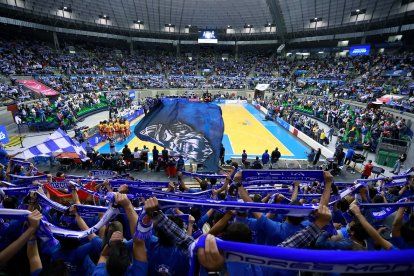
column 48, row 228
column 326, row 261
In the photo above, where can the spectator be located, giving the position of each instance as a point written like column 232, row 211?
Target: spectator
column 311, row 157
column 317, row 156
column 400, row 161
column 274, row 158
column 180, row 164
column 265, row 159
column 257, row 165
column 366, row 173
column 349, row 155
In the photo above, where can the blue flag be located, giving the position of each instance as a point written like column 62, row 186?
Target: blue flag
column 191, row 129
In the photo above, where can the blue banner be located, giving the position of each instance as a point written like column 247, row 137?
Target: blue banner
column 4, row 138
column 333, row 81
column 283, row 123
column 191, row 129
column 300, row 72
column 133, row 116
column 132, row 94
column 396, row 73
column 102, row 173
column 300, row 175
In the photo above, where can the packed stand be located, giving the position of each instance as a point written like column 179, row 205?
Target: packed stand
column 126, row 241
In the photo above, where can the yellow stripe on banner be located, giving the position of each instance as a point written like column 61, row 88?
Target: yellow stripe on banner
column 14, row 140
column 246, row 132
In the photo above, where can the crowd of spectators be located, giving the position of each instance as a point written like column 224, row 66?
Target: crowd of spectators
column 62, row 113
column 126, row 245
column 355, row 126
column 97, row 69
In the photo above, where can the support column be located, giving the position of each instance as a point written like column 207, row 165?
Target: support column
column 131, row 47
column 178, row 48
column 56, row 41
column 363, row 40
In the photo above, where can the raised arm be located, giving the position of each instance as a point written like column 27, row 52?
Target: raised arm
column 139, row 251
column 175, row 233
column 398, row 223
column 246, row 198
column 11, row 250
column 35, row 262
column 226, row 182
column 328, row 179
column 372, row 232
column 295, row 191
column 182, row 184
column 306, row 236
column 221, row 224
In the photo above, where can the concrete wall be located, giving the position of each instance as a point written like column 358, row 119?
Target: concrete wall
column 6, row 119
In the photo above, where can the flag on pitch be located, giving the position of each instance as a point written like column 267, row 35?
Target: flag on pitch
column 191, row 129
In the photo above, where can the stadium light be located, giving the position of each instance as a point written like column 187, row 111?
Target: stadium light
column 358, row 12
column 104, row 16
column 269, row 24
column 138, row 22
column 248, row 26
column 66, row 9
column 169, row 25
column 321, row 52
column 315, row 19
column 188, row 26
column 228, row 27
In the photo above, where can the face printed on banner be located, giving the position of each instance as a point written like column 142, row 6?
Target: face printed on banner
column 180, row 139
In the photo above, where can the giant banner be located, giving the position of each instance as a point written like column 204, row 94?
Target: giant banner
column 191, row 129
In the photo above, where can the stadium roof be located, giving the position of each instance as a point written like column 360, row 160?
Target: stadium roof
column 241, row 16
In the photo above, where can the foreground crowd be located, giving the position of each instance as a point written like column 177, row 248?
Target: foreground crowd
column 125, row 246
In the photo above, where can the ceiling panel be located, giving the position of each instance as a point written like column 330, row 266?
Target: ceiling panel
column 219, row 13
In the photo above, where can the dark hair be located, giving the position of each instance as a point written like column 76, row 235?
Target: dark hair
column 295, row 220
column 407, row 230
column 203, row 185
column 112, row 227
column 257, row 198
column 57, row 267
column 196, row 213
column 10, row 202
column 17, row 169
column 343, row 205
column 335, row 190
column 238, row 232
column 59, row 174
column 165, row 240
column 221, row 196
column 359, row 231
column 118, row 259
column 378, row 199
column 217, row 216
column 213, row 181
column 394, row 191
column 234, row 164
column 68, row 244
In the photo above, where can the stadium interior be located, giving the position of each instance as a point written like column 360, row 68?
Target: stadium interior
column 248, row 137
